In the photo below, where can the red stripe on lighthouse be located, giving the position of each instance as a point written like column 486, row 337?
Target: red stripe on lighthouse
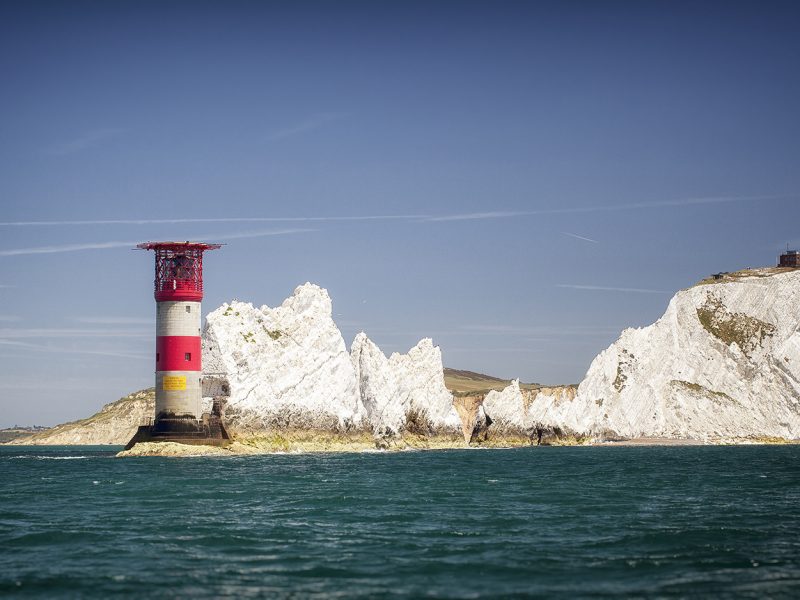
column 178, row 353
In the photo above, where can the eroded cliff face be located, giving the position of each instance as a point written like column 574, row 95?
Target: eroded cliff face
column 286, row 367
column 513, row 411
column 723, row 362
column 114, row 424
column 404, row 392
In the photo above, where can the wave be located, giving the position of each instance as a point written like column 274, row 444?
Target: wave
column 49, row 457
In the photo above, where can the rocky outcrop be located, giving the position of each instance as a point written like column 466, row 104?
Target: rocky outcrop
column 508, row 410
column 474, row 422
column 404, row 392
column 173, row 449
column 285, row 367
column 114, row 424
column 513, row 412
column 722, row 363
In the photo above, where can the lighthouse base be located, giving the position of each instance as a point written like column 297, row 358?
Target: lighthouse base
column 210, row 431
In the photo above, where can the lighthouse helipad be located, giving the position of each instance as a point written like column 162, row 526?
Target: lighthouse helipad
column 178, row 292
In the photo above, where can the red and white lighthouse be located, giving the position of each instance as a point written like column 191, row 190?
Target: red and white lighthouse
column 178, row 293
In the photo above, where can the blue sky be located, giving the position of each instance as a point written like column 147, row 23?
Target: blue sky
column 518, row 181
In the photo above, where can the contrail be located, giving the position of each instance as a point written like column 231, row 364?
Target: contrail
column 65, row 248
column 114, row 320
column 580, row 237
column 88, row 140
column 129, row 244
column 213, row 220
column 311, row 123
column 476, row 216
column 59, row 350
column 606, row 208
column 485, row 215
column 9, row 333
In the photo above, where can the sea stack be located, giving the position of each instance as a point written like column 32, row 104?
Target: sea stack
column 178, row 293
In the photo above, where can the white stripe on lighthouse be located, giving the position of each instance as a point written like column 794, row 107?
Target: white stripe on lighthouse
column 177, row 318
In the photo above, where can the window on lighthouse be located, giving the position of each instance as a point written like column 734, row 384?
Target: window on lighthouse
column 187, row 356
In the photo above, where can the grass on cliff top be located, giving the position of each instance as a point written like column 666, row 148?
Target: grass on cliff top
column 6, row 435
column 745, row 274
column 469, row 382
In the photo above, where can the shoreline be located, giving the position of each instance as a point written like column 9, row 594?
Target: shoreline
column 270, row 445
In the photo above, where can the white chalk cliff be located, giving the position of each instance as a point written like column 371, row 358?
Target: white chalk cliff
column 404, row 390
column 513, row 411
column 723, row 362
column 286, row 367
column 508, row 410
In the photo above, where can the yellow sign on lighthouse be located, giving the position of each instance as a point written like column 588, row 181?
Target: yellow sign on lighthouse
column 174, row 383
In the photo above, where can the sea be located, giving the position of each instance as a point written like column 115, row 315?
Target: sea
column 572, row 522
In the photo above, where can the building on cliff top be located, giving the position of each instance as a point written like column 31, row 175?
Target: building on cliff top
column 790, row 258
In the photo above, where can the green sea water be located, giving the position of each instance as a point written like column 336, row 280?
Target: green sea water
column 532, row 522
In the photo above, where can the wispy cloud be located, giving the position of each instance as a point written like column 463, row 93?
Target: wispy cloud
column 253, row 234
column 115, row 320
column 66, row 332
column 76, row 384
column 531, row 333
column 486, row 215
column 580, row 237
column 215, row 220
column 479, row 216
column 66, row 248
column 132, row 244
column 606, row 208
column 537, row 330
column 90, row 139
column 73, row 350
column 481, row 350
column 309, row 124
column 602, row 288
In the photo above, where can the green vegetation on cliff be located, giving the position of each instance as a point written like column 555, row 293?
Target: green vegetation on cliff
column 733, row 328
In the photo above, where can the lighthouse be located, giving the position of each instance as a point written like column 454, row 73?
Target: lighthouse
column 178, row 293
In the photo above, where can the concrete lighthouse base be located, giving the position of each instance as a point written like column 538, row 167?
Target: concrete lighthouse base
column 210, row 431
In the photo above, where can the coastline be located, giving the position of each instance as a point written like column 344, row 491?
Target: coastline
column 304, row 444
